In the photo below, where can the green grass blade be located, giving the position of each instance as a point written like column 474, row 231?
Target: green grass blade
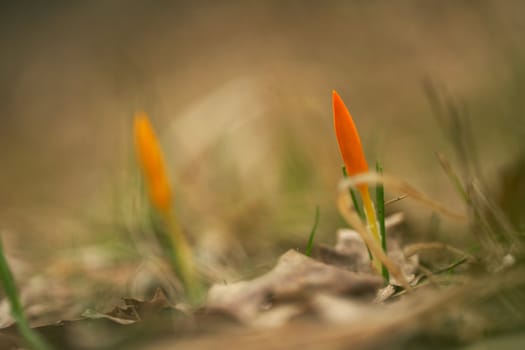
column 312, row 233
column 31, row 337
column 355, row 201
column 380, row 205
column 360, row 211
column 181, row 256
column 171, row 238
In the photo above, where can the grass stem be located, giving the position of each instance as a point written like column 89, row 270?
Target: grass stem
column 357, row 206
column 380, row 203
column 353, row 195
column 310, row 244
column 181, row 256
column 454, row 178
column 33, row 339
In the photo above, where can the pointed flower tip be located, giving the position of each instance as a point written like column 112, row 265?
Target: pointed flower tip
column 140, row 115
column 336, row 99
column 142, row 128
column 348, row 137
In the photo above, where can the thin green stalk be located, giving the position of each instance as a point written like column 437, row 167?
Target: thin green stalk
column 174, row 244
column 355, row 201
column 33, row 339
column 357, row 207
column 380, row 204
column 310, row 244
column 181, row 257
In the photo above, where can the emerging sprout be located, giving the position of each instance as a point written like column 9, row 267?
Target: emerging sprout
column 151, row 162
column 353, row 157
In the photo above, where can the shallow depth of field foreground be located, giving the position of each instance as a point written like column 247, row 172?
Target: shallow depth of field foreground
column 262, row 175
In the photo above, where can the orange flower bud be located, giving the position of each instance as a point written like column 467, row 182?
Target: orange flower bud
column 353, row 155
column 151, row 161
column 348, row 138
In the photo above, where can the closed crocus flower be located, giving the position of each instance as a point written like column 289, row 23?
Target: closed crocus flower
column 151, row 161
column 348, row 138
column 353, row 155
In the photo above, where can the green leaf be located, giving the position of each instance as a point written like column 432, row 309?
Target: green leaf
column 312, row 233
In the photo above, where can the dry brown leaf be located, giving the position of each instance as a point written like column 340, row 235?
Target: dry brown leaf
column 133, row 310
column 295, row 277
column 350, row 251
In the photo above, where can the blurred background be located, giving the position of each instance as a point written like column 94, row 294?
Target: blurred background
column 239, row 92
